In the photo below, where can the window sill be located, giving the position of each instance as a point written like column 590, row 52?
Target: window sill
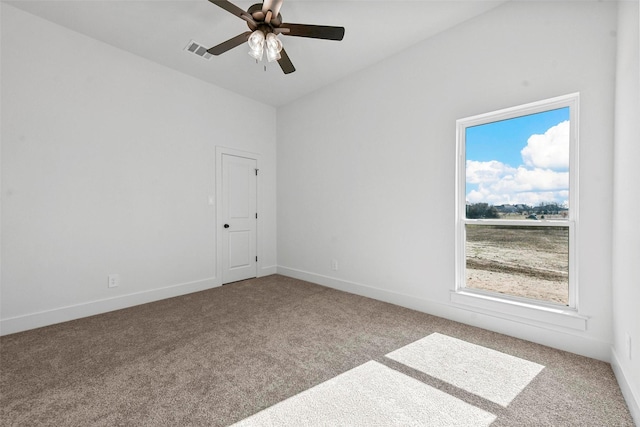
column 519, row 311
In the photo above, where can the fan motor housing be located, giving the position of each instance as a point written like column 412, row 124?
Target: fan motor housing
column 258, row 15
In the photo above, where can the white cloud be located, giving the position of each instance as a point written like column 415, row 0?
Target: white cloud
column 487, row 172
column 543, row 176
column 532, row 180
column 550, row 150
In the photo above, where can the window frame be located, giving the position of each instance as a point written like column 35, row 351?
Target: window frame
column 494, row 301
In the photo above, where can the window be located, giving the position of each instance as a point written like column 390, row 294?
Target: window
column 517, row 204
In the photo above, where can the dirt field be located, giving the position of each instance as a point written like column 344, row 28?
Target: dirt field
column 528, row 262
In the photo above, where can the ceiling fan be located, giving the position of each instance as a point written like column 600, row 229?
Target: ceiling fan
column 265, row 22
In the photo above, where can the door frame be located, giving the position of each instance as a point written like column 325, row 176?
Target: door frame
column 220, row 151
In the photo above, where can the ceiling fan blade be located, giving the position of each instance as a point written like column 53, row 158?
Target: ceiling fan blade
column 229, row 7
column 229, row 44
column 313, row 31
column 285, row 63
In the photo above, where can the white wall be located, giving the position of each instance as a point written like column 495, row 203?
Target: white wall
column 108, row 162
column 107, row 165
column 626, row 232
column 366, row 166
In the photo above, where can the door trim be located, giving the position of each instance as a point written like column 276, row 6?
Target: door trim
column 220, row 151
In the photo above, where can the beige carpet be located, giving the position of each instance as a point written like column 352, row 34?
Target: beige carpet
column 487, row 373
column 216, row 357
column 371, row 394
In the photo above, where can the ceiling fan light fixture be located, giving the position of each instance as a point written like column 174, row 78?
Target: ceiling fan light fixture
column 274, row 47
column 273, row 55
column 256, row 53
column 256, row 44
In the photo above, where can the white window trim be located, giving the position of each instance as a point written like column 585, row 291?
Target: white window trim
column 507, row 306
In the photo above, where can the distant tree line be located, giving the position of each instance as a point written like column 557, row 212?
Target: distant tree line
column 482, row 210
column 549, row 208
column 485, row 210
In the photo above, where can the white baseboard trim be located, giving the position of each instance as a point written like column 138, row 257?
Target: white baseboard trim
column 268, row 271
column 64, row 314
column 419, row 304
column 557, row 338
column 631, row 396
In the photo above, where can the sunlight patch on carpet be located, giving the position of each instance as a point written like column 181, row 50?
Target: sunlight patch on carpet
column 487, row 373
column 371, row 394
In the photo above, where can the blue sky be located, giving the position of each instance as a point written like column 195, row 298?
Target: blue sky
column 520, row 160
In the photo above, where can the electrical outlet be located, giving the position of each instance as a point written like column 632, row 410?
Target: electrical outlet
column 114, row 280
column 334, row 265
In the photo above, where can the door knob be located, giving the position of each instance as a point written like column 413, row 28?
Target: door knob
column 226, row 226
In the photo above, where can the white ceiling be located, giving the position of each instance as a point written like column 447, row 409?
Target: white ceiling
column 159, row 30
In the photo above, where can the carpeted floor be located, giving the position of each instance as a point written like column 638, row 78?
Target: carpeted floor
column 216, row 357
column 370, row 394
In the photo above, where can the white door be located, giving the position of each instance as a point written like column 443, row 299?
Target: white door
column 239, row 217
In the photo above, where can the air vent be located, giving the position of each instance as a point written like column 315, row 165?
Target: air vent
column 198, row 49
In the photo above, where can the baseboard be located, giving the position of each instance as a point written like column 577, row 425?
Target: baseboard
column 419, row 304
column 631, row 396
column 564, row 340
column 64, row 314
column 267, row 271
